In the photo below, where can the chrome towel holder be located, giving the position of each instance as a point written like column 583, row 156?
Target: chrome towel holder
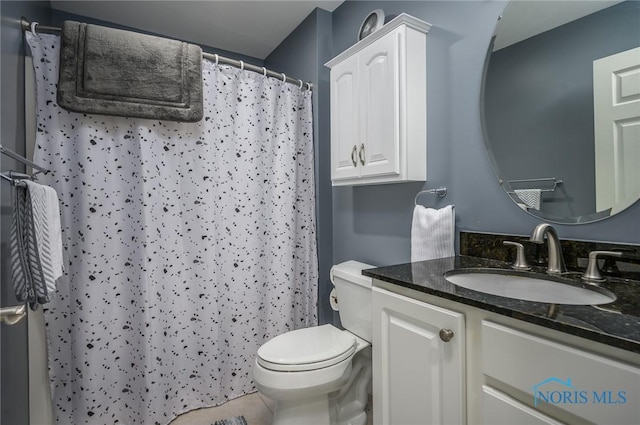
column 441, row 192
column 554, row 181
column 12, row 315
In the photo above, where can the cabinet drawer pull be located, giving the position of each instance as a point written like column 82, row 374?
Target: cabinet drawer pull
column 353, row 156
column 361, row 154
column 446, row 335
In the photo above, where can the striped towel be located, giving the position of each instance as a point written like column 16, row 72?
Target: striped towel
column 530, row 197
column 36, row 243
column 26, row 269
column 46, row 219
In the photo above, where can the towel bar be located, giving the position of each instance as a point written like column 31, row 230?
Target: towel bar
column 441, row 192
column 556, row 182
column 16, row 178
column 12, row 315
column 22, row 159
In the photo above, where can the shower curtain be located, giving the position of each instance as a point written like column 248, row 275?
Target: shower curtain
column 188, row 245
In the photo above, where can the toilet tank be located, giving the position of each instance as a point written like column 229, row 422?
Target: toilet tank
column 354, row 297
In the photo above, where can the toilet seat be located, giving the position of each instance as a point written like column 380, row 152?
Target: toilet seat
column 307, row 349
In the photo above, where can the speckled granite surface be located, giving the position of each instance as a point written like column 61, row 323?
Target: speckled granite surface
column 616, row 324
column 575, row 253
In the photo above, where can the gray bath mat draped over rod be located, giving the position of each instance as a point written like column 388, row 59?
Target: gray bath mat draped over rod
column 26, row 25
column 115, row 72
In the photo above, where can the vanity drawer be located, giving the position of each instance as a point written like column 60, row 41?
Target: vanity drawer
column 589, row 386
column 500, row 409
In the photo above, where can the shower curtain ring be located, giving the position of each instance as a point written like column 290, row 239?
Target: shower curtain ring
column 241, row 66
column 216, row 58
column 33, row 28
column 264, row 71
column 284, row 78
column 301, row 83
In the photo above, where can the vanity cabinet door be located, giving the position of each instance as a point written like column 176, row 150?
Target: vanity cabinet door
column 418, row 371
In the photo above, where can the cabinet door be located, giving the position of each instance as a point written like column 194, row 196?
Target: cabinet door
column 344, row 120
column 380, row 112
column 417, row 377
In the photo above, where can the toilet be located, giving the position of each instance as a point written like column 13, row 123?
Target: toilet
column 321, row 375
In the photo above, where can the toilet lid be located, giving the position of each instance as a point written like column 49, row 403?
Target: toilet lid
column 307, row 349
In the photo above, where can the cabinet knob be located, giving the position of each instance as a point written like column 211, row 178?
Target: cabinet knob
column 446, row 335
column 354, row 151
column 361, row 154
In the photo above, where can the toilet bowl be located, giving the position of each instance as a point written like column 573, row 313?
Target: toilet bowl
column 321, row 375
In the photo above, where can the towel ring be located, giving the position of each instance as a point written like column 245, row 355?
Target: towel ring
column 441, row 192
column 241, row 66
column 33, row 28
column 216, row 58
column 264, row 71
column 301, row 83
column 284, row 78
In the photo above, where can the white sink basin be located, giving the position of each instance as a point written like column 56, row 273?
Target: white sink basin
column 529, row 288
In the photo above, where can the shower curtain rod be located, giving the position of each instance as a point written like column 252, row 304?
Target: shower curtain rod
column 27, row 26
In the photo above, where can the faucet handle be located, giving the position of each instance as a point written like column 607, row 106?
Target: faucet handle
column 521, row 261
column 592, row 274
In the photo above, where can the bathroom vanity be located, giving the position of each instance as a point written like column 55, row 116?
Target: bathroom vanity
column 446, row 354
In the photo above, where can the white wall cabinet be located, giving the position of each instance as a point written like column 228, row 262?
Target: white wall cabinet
column 419, row 376
column 378, row 106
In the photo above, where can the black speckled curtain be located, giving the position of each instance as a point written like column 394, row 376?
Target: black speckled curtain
column 188, row 245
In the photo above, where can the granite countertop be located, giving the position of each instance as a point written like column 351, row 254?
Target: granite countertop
column 616, row 324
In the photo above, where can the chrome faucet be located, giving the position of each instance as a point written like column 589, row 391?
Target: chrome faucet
column 556, row 261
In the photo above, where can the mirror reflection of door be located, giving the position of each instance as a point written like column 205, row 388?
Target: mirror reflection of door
column 616, row 96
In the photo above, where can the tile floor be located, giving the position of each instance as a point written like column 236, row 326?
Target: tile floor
column 256, row 409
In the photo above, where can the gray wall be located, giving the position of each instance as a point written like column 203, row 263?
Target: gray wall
column 14, row 372
column 303, row 54
column 539, row 104
column 372, row 224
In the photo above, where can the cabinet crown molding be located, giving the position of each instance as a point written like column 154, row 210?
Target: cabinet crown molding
column 402, row 19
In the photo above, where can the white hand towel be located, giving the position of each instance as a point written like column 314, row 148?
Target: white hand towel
column 530, row 197
column 46, row 219
column 432, row 233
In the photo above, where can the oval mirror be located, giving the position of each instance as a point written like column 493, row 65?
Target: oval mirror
column 561, row 106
